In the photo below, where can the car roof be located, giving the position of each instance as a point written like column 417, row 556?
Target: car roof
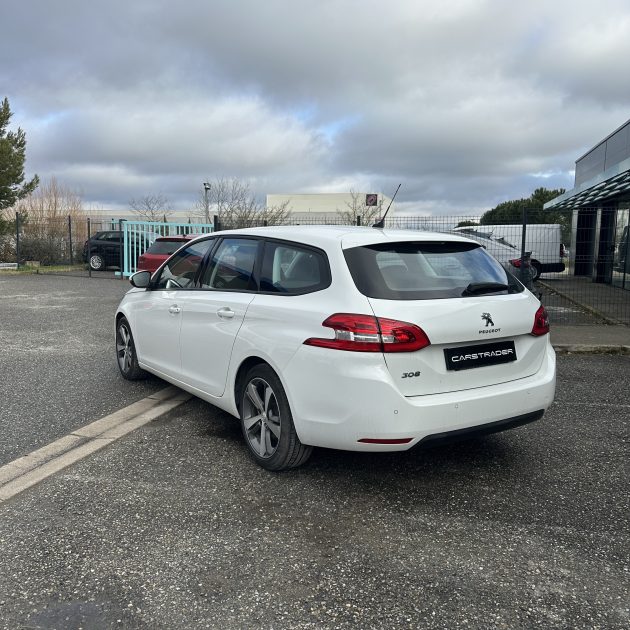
column 344, row 235
column 492, row 243
column 179, row 237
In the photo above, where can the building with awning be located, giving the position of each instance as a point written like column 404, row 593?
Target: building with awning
column 600, row 203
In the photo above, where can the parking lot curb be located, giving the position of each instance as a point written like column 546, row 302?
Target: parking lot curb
column 579, row 348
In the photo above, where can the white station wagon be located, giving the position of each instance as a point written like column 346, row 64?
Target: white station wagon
column 341, row 337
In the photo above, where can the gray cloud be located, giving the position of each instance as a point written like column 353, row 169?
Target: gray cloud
column 467, row 103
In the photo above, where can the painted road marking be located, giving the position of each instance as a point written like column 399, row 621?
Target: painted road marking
column 26, row 471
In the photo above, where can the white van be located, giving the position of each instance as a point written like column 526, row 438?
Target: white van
column 543, row 240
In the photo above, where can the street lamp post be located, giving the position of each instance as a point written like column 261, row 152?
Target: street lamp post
column 206, row 205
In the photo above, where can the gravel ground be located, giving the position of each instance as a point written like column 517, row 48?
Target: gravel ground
column 174, row 527
column 57, row 365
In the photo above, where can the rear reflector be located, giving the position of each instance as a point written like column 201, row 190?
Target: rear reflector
column 375, row 441
column 516, row 262
column 541, row 323
column 366, row 333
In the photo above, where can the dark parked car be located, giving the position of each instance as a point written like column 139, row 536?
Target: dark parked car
column 105, row 248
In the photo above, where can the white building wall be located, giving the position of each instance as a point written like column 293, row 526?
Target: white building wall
column 320, row 206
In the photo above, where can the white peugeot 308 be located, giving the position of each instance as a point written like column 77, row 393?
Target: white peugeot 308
column 341, row 337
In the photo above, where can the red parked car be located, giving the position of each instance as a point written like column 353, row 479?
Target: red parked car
column 160, row 250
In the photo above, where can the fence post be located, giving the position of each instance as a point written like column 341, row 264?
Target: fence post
column 626, row 260
column 526, row 278
column 358, row 219
column 89, row 248
column 70, row 237
column 122, row 250
column 17, row 240
column 215, row 221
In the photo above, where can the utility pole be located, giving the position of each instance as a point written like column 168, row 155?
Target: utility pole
column 206, row 204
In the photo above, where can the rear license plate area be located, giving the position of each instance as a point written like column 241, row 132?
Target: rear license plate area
column 469, row 357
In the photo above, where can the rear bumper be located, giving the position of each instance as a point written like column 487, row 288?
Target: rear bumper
column 485, row 429
column 552, row 267
column 355, row 399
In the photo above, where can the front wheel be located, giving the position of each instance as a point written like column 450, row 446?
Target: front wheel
column 126, row 352
column 97, row 262
column 267, row 423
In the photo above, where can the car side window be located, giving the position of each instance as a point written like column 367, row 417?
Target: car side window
column 231, row 267
column 291, row 269
column 180, row 271
column 112, row 236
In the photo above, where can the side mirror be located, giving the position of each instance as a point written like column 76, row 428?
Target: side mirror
column 140, row 279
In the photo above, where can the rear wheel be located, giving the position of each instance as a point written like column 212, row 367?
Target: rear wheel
column 97, row 262
column 126, row 353
column 267, row 423
column 536, row 269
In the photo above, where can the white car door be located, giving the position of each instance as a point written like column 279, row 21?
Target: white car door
column 214, row 314
column 158, row 315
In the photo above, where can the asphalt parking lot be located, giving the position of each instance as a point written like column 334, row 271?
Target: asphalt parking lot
column 56, row 365
column 174, row 527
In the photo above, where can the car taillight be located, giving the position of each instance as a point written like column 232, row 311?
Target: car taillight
column 365, row 333
column 541, row 322
column 516, row 262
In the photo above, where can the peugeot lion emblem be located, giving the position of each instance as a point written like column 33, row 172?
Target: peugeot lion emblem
column 488, row 319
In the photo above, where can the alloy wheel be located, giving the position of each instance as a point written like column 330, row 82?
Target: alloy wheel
column 261, row 418
column 124, row 348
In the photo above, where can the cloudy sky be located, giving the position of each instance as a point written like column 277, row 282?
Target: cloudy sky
column 466, row 102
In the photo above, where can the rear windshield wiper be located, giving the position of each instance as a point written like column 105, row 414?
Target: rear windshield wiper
column 477, row 288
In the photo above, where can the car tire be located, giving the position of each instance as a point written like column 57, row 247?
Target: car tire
column 97, row 262
column 126, row 356
column 536, row 270
column 267, row 422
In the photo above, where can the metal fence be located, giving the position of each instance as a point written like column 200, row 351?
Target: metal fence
column 138, row 236
column 65, row 245
column 577, row 260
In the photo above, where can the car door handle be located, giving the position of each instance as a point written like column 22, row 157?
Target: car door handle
column 225, row 313
column 174, row 309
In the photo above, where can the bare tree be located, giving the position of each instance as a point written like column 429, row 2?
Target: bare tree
column 52, row 200
column 151, row 207
column 236, row 206
column 46, row 210
column 357, row 207
column 50, row 218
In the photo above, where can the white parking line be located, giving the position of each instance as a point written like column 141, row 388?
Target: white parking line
column 26, row 471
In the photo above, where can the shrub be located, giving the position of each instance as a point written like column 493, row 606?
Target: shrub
column 46, row 251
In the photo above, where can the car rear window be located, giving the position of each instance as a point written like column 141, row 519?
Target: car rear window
column 165, row 247
column 425, row 270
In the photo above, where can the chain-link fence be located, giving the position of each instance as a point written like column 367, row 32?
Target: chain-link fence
column 577, row 260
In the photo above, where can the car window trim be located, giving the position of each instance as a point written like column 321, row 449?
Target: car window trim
column 195, row 283
column 255, row 270
column 304, row 246
column 204, row 262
